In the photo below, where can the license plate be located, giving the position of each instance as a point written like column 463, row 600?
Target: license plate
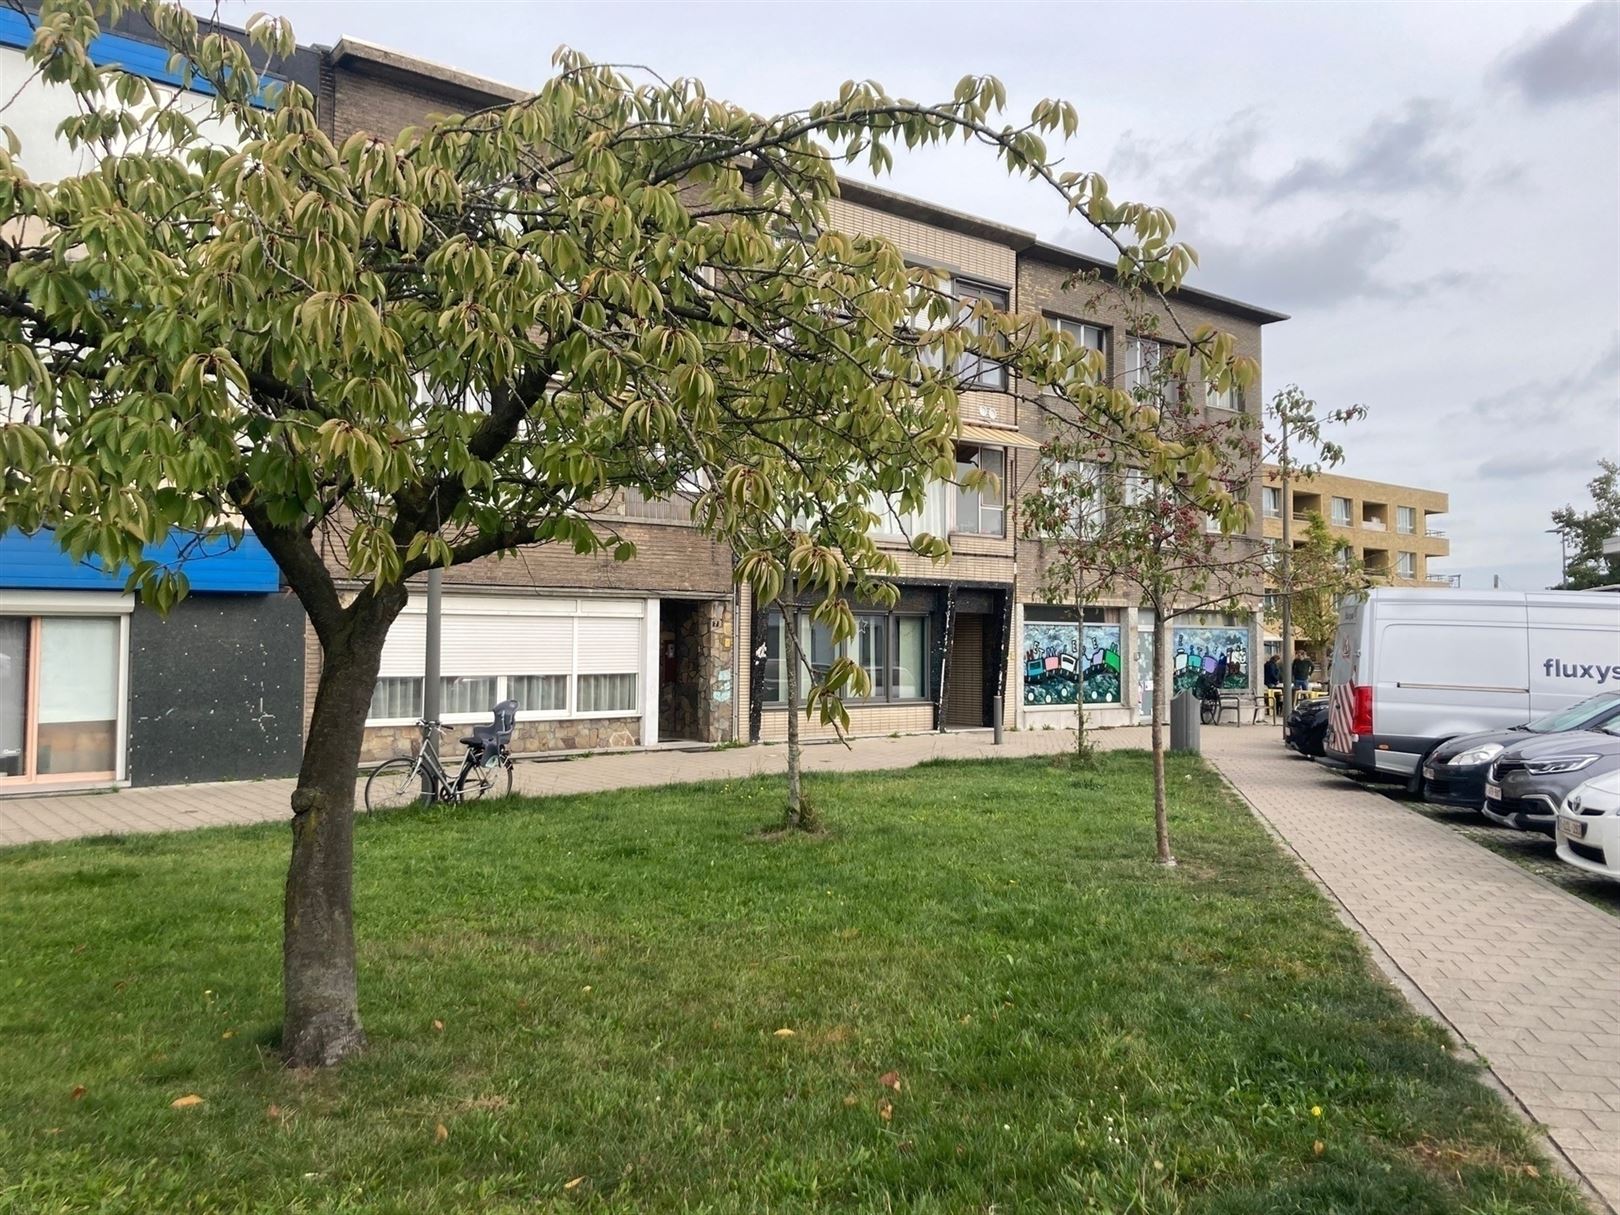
column 1572, row 829
column 1493, row 791
column 1428, row 773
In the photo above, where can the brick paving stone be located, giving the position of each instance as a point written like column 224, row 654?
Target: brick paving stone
column 1523, row 971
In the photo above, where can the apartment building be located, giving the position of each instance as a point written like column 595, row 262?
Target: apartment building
column 666, row 647
column 1391, row 528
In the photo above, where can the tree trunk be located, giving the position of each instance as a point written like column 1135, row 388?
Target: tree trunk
column 790, row 653
column 321, row 1018
column 1079, row 671
column 1161, row 712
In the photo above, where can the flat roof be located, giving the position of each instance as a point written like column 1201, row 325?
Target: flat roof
column 386, row 62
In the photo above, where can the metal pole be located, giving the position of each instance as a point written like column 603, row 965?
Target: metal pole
column 1286, row 581
column 430, row 664
column 995, row 712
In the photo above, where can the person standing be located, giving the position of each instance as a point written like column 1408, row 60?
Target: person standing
column 1302, row 669
column 1273, row 671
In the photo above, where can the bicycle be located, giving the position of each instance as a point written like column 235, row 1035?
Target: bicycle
column 486, row 767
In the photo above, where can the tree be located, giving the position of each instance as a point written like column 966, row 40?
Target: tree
column 434, row 349
column 1582, row 534
column 1172, row 537
column 1064, row 515
column 1292, row 442
column 1324, row 570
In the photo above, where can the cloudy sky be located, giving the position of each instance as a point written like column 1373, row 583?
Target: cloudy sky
column 1431, row 191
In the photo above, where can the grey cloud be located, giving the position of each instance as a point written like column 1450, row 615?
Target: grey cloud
column 1395, row 154
column 1581, row 58
column 1595, row 384
column 1339, row 262
column 1218, row 165
column 1529, row 464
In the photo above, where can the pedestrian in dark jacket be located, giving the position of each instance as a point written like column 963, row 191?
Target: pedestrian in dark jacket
column 1303, row 667
column 1273, row 672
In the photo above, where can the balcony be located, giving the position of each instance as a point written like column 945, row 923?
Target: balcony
column 1434, row 531
column 1443, row 579
column 1372, row 525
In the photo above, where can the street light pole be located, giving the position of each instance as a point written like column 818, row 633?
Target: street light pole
column 1286, row 579
column 430, row 664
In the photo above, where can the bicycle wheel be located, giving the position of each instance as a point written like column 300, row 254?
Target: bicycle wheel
column 393, row 785
column 1209, row 712
column 487, row 782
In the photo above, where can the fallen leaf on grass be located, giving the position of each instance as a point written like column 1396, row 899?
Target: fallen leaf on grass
column 228, row 1034
column 1531, row 1170
column 272, row 1112
column 78, row 1091
column 890, row 1080
column 574, row 1183
column 1318, row 1148
column 440, row 1133
column 851, row 1100
column 784, row 1032
column 886, row 1110
column 438, row 1026
column 186, row 1102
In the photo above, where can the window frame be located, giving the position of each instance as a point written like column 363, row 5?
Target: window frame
column 971, row 369
column 1333, row 511
column 1001, row 507
column 1403, row 558
column 1266, row 494
column 1406, row 512
column 775, row 624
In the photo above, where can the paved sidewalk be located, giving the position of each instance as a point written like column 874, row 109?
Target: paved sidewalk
column 182, row 807
column 1526, row 974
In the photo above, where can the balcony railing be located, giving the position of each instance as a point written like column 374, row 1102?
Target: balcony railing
column 1372, row 525
column 1433, row 531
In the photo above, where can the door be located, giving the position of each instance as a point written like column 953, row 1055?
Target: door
column 966, row 698
column 15, row 759
column 60, row 690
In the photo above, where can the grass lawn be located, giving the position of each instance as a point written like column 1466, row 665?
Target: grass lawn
column 995, row 1000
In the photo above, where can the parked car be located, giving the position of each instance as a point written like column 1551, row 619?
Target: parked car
column 1306, row 728
column 1412, row 668
column 1589, row 827
column 1454, row 772
column 1528, row 782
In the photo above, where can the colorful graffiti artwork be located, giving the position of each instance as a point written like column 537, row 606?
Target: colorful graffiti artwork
column 1055, row 667
column 1198, row 651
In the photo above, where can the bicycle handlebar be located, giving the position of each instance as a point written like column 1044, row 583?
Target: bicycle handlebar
column 439, row 726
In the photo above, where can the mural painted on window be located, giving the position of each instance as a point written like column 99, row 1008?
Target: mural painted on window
column 1052, row 669
column 1197, row 652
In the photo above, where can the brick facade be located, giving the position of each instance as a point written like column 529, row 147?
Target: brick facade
column 707, row 641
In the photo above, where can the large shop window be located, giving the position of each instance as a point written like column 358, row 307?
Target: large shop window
column 1060, row 665
column 891, row 647
column 1204, row 649
column 60, row 693
column 557, row 658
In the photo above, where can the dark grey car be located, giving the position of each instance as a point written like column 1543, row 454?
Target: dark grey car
column 1454, row 772
column 1528, row 782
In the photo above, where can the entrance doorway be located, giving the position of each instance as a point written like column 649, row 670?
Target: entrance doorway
column 967, row 672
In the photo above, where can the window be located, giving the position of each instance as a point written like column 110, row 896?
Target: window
column 607, row 693
column 897, row 525
column 1341, row 511
column 1228, row 398
column 892, row 648
column 1147, row 368
column 538, row 693
column 1079, row 485
column 61, row 713
column 555, row 657
column 396, row 698
column 1406, row 520
column 1406, row 565
column 975, row 370
column 1271, row 501
column 1088, row 337
column 981, row 512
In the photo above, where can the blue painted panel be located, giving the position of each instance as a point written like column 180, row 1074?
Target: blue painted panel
column 36, row 563
column 138, row 58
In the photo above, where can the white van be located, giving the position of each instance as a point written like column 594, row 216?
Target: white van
column 1412, row 668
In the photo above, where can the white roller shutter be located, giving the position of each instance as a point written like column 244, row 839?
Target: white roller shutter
column 403, row 651
column 506, row 645
column 609, row 646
